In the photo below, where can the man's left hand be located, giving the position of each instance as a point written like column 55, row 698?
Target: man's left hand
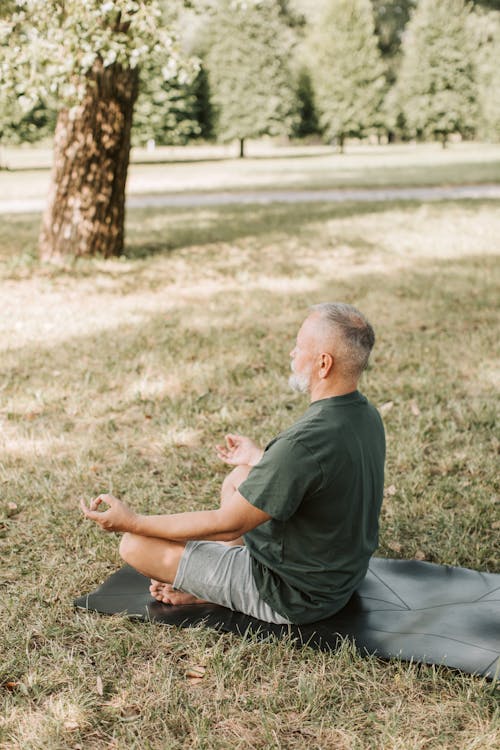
column 117, row 517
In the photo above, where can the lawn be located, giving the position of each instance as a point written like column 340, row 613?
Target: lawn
column 121, row 376
column 208, row 168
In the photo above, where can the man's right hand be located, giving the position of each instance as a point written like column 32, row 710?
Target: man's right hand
column 239, row 450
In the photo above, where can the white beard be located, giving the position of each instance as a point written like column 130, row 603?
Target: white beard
column 299, row 381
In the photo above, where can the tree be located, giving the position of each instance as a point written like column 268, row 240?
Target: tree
column 307, row 116
column 346, row 69
column 436, row 84
column 249, row 79
column 485, row 29
column 85, row 58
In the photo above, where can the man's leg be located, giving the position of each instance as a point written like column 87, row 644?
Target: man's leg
column 152, row 557
column 159, row 559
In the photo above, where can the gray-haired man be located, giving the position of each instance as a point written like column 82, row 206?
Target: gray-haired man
column 307, row 506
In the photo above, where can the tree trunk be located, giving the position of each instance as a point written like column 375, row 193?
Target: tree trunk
column 340, row 143
column 444, row 140
column 242, row 148
column 85, row 213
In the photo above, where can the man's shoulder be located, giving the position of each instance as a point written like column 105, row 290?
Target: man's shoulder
column 288, row 442
column 328, row 428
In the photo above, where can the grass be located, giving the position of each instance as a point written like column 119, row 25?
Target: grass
column 267, row 168
column 121, row 375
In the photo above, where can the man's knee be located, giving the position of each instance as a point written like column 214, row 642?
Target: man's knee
column 131, row 547
column 155, row 558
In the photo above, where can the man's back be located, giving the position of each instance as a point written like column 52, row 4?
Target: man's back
column 322, row 482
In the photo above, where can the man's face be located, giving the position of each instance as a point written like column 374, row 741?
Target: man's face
column 303, row 356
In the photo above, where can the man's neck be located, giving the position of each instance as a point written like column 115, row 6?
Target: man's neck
column 328, row 390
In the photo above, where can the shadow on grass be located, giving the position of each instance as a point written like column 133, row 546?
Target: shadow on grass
column 183, row 227
column 153, row 231
column 234, row 157
column 433, row 300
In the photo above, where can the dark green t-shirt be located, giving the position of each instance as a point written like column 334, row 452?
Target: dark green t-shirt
column 322, row 482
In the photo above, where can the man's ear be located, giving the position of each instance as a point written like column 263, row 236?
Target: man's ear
column 325, row 364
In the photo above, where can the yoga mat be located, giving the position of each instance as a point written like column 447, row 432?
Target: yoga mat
column 411, row 610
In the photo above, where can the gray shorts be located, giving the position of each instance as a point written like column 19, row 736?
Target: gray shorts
column 223, row 575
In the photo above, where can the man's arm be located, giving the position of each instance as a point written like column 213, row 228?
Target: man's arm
column 234, row 518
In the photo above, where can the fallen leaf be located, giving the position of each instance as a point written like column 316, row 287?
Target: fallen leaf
column 495, row 525
column 98, row 685
column 419, row 555
column 395, row 546
column 12, row 506
column 384, row 408
column 390, row 491
column 11, row 685
column 130, row 713
column 72, row 725
column 414, row 409
column 196, row 673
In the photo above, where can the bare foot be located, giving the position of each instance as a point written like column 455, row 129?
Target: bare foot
column 165, row 592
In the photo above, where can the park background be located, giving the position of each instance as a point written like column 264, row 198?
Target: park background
column 132, row 340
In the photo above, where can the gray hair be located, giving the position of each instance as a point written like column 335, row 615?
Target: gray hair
column 352, row 334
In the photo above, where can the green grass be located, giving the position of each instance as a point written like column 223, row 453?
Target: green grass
column 267, row 168
column 121, row 375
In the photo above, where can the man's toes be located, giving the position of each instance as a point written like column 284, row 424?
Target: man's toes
column 164, row 597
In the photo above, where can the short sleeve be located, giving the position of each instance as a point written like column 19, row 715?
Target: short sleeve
column 286, row 474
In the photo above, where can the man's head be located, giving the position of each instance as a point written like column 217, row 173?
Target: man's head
column 332, row 349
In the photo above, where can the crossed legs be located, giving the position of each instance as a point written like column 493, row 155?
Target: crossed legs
column 159, row 558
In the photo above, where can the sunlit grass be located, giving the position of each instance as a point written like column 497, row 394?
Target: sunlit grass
column 121, row 376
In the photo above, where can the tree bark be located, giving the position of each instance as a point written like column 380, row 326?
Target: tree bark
column 85, row 213
column 242, row 148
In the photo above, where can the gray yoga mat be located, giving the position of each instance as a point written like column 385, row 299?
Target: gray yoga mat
column 418, row 611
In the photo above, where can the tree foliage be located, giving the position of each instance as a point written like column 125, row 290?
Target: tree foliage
column 346, row 68
column 49, row 48
column 249, row 78
column 391, row 17
column 436, row 85
column 306, row 122
column 167, row 111
column 485, row 30
column 18, row 126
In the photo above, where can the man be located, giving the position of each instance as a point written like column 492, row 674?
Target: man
column 307, row 506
